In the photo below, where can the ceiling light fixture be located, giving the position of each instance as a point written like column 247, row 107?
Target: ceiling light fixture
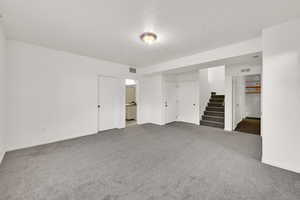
column 148, row 37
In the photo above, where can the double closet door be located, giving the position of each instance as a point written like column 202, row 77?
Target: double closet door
column 182, row 102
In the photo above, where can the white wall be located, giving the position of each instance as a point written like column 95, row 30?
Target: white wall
column 230, row 72
column 216, row 79
column 204, row 90
column 281, row 94
column 253, row 105
column 2, row 93
column 188, row 76
column 253, row 100
column 52, row 94
column 229, row 51
column 150, row 102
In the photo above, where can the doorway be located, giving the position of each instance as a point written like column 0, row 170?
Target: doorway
column 131, row 102
column 247, row 103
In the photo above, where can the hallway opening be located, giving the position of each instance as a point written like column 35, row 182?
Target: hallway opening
column 247, row 103
column 131, row 105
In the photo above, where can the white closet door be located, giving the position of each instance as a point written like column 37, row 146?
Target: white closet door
column 110, row 103
column 171, row 102
column 188, row 105
column 238, row 99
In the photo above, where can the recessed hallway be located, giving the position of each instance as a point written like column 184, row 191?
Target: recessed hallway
column 176, row 161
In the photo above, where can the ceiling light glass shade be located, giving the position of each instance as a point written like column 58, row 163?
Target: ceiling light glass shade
column 148, row 38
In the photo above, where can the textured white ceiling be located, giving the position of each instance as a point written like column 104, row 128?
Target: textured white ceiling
column 110, row 29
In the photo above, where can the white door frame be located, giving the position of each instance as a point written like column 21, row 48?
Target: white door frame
column 137, row 100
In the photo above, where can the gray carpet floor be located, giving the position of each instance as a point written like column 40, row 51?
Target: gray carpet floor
column 178, row 161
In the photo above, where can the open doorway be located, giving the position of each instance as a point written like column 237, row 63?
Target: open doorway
column 131, row 103
column 247, row 103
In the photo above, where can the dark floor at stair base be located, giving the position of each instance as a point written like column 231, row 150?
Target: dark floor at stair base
column 249, row 125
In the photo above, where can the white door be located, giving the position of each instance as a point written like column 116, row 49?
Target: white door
column 238, row 103
column 171, row 102
column 188, row 105
column 110, row 102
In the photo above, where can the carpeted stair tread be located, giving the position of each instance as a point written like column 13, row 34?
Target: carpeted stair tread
column 218, row 109
column 212, row 123
column 213, row 104
column 214, row 113
column 213, row 116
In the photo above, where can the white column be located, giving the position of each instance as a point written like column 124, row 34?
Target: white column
column 281, row 96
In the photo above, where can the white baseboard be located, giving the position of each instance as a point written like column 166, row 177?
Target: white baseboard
column 1, row 156
column 285, row 166
column 39, row 143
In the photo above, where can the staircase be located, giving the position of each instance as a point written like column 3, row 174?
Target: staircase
column 214, row 113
